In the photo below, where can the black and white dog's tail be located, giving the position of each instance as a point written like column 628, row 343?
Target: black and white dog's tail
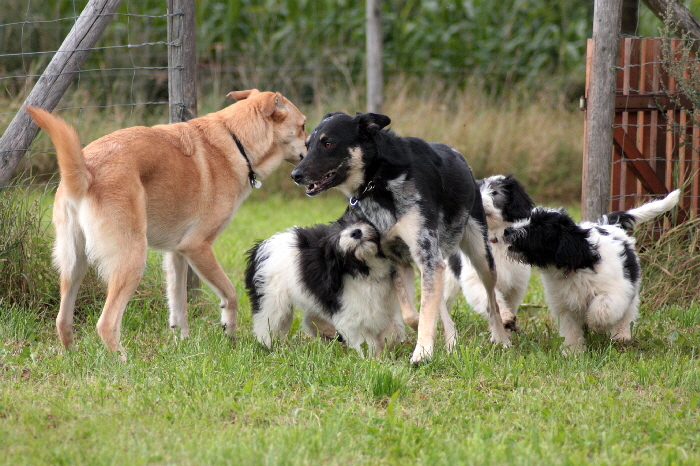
column 628, row 219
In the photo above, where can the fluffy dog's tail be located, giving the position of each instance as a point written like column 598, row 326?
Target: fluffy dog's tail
column 631, row 218
column 69, row 151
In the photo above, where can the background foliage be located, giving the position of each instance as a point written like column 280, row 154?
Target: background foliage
column 298, row 45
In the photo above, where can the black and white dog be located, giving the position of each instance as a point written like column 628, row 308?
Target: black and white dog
column 336, row 274
column 421, row 197
column 591, row 271
column 505, row 202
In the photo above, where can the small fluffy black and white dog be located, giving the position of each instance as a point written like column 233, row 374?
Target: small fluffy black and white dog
column 336, row 274
column 422, row 198
column 591, row 271
column 505, row 202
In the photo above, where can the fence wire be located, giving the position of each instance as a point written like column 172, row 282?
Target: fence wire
column 657, row 109
column 124, row 78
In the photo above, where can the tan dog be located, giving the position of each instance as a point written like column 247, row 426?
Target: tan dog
column 169, row 187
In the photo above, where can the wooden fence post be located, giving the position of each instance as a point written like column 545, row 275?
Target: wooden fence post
column 373, row 15
column 54, row 81
column 182, row 75
column 600, row 109
column 182, row 60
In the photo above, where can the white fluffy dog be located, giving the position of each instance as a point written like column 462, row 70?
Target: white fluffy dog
column 505, row 202
column 591, row 272
column 336, row 274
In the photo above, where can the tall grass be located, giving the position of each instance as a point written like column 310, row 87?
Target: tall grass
column 26, row 277
column 536, row 136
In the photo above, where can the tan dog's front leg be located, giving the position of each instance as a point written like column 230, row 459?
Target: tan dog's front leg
column 403, row 283
column 202, row 260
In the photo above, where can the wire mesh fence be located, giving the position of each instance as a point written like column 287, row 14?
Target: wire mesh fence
column 656, row 126
column 122, row 83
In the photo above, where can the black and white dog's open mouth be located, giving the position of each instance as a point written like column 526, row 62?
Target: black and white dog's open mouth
column 322, row 185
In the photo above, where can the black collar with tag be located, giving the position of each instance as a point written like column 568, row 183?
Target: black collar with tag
column 251, row 174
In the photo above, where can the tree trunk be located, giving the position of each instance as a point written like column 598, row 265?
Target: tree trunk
column 682, row 19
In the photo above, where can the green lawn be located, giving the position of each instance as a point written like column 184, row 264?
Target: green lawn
column 209, row 401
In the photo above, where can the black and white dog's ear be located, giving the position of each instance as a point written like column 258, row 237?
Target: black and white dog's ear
column 371, row 122
column 574, row 251
column 520, row 204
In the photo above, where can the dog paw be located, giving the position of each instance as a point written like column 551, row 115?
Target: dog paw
column 229, row 330
column 121, row 353
column 512, row 324
column 503, row 340
column 422, row 355
column 573, row 350
column 412, row 321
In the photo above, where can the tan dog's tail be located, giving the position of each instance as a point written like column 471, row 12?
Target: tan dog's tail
column 71, row 162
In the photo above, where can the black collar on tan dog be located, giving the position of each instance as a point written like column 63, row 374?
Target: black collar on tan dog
column 251, row 174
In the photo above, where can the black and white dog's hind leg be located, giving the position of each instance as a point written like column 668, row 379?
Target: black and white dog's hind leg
column 475, row 245
column 273, row 313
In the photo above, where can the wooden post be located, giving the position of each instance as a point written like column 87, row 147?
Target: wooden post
column 182, row 60
column 600, row 109
column 54, row 81
column 374, row 55
column 182, row 75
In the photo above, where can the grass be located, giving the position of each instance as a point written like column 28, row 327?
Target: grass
column 210, row 401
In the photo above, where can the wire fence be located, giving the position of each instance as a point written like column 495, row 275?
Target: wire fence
column 657, row 124
column 124, row 80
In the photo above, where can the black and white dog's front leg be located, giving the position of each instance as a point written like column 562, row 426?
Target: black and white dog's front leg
column 423, row 244
column 475, row 245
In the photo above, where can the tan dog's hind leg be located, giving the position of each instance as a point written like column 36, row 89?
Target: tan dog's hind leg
column 176, row 276
column 202, row 260
column 403, row 284
column 71, row 260
column 70, row 284
column 122, row 281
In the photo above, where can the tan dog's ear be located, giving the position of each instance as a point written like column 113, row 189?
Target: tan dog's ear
column 241, row 95
column 274, row 106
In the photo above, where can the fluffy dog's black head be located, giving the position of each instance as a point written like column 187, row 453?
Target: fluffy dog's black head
column 329, row 252
column 505, row 196
column 334, row 154
column 551, row 238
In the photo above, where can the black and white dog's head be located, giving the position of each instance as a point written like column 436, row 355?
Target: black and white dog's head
column 357, row 238
column 335, row 156
column 550, row 238
column 505, row 200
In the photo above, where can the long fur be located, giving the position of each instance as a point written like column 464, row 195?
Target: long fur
column 591, row 271
column 422, row 198
column 505, row 202
column 169, row 187
column 336, row 274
